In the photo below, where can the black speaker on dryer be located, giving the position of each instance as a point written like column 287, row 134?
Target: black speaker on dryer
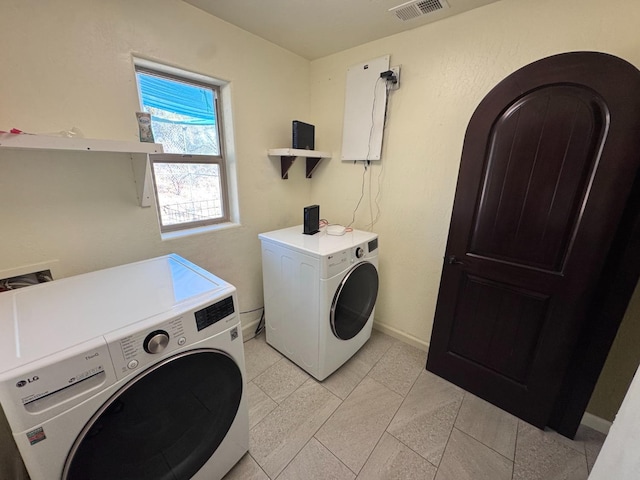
column 311, row 222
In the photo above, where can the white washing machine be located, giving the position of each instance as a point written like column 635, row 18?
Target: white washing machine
column 133, row 372
column 319, row 294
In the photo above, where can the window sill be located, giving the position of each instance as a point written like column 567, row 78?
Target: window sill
column 188, row 232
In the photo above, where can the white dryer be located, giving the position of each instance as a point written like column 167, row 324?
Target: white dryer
column 319, row 293
column 129, row 373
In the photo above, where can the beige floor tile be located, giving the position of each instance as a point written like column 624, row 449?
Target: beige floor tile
column 541, row 455
column 278, row 438
column 342, row 382
column 258, row 356
column 593, row 441
column 575, row 444
column 399, row 367
column 426, row 417
column 377, row 345
column 246, row 469
column 354, row 429
column 260, row 404
column 488, row 424
column 281, row 379
column 350, row 437
column 467, row 459
column 391, row 460
column 315, row 462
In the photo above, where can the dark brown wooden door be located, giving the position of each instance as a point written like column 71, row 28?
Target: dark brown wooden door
column 548, row 162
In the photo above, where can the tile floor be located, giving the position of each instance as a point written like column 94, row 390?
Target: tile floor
column 383, row 416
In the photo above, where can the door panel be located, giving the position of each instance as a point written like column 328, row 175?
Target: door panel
column 542, row 156
column 491, row 320
column 547, row 166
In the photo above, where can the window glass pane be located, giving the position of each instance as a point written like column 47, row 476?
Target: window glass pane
column 183, row 116
column 188, row 192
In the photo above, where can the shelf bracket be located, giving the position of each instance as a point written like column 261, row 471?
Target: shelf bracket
column 312, row 164
column 285, row 165
column 142, row 177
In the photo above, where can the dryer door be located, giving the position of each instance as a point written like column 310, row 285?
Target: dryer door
column 163, row 425
column 354, row 301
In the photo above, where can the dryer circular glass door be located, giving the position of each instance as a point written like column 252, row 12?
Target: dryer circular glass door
column 163, row 425
column 354, row 301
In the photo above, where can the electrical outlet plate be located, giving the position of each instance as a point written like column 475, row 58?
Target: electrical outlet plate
column 396, row 72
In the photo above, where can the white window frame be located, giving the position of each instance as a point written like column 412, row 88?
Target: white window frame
column 229, row 194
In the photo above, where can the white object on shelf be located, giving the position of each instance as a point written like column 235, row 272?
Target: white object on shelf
column 45, row 142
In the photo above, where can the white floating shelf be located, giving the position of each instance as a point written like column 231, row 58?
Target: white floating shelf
column 137, row 150
column 298, row 152
column 44, row 142
column 288, row 155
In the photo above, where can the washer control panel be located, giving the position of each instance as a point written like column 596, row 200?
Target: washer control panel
column 138, row 349
column 340, row 261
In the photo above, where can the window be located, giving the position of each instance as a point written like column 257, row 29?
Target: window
column 190, row 177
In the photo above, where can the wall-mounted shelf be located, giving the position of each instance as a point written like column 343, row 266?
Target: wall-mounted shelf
column 288, row 156
column 138, row 151
column 44, row 142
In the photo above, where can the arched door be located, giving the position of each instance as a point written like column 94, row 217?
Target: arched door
column 164, row 425
column 548, row 163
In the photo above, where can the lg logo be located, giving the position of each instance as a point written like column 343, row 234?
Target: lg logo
column 22, row 383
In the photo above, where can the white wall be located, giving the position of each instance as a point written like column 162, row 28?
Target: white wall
column 447, row 68
column 69, row 63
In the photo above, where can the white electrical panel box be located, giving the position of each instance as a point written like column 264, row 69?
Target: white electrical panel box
column 364, row 110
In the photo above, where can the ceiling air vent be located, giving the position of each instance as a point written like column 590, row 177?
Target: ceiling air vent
column 417, row 8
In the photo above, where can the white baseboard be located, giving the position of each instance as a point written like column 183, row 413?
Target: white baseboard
column 598, row 424
column 400, row 335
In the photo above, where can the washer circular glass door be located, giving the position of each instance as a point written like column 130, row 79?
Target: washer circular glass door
column 354, row 301
column 163, row 425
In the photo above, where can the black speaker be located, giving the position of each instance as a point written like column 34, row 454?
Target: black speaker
column 303, row 135
column 311, row 223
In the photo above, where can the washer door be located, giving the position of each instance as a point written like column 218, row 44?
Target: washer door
column 354, row 301
column 163, row 425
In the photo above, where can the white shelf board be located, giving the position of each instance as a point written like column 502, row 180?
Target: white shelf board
column 44, row 142
column 298, row 152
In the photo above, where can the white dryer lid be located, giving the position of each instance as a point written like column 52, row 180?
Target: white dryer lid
column 41, row 320
column 319, row 244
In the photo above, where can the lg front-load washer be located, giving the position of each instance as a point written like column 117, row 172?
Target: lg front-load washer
column 129, row 373
column 319, row 293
